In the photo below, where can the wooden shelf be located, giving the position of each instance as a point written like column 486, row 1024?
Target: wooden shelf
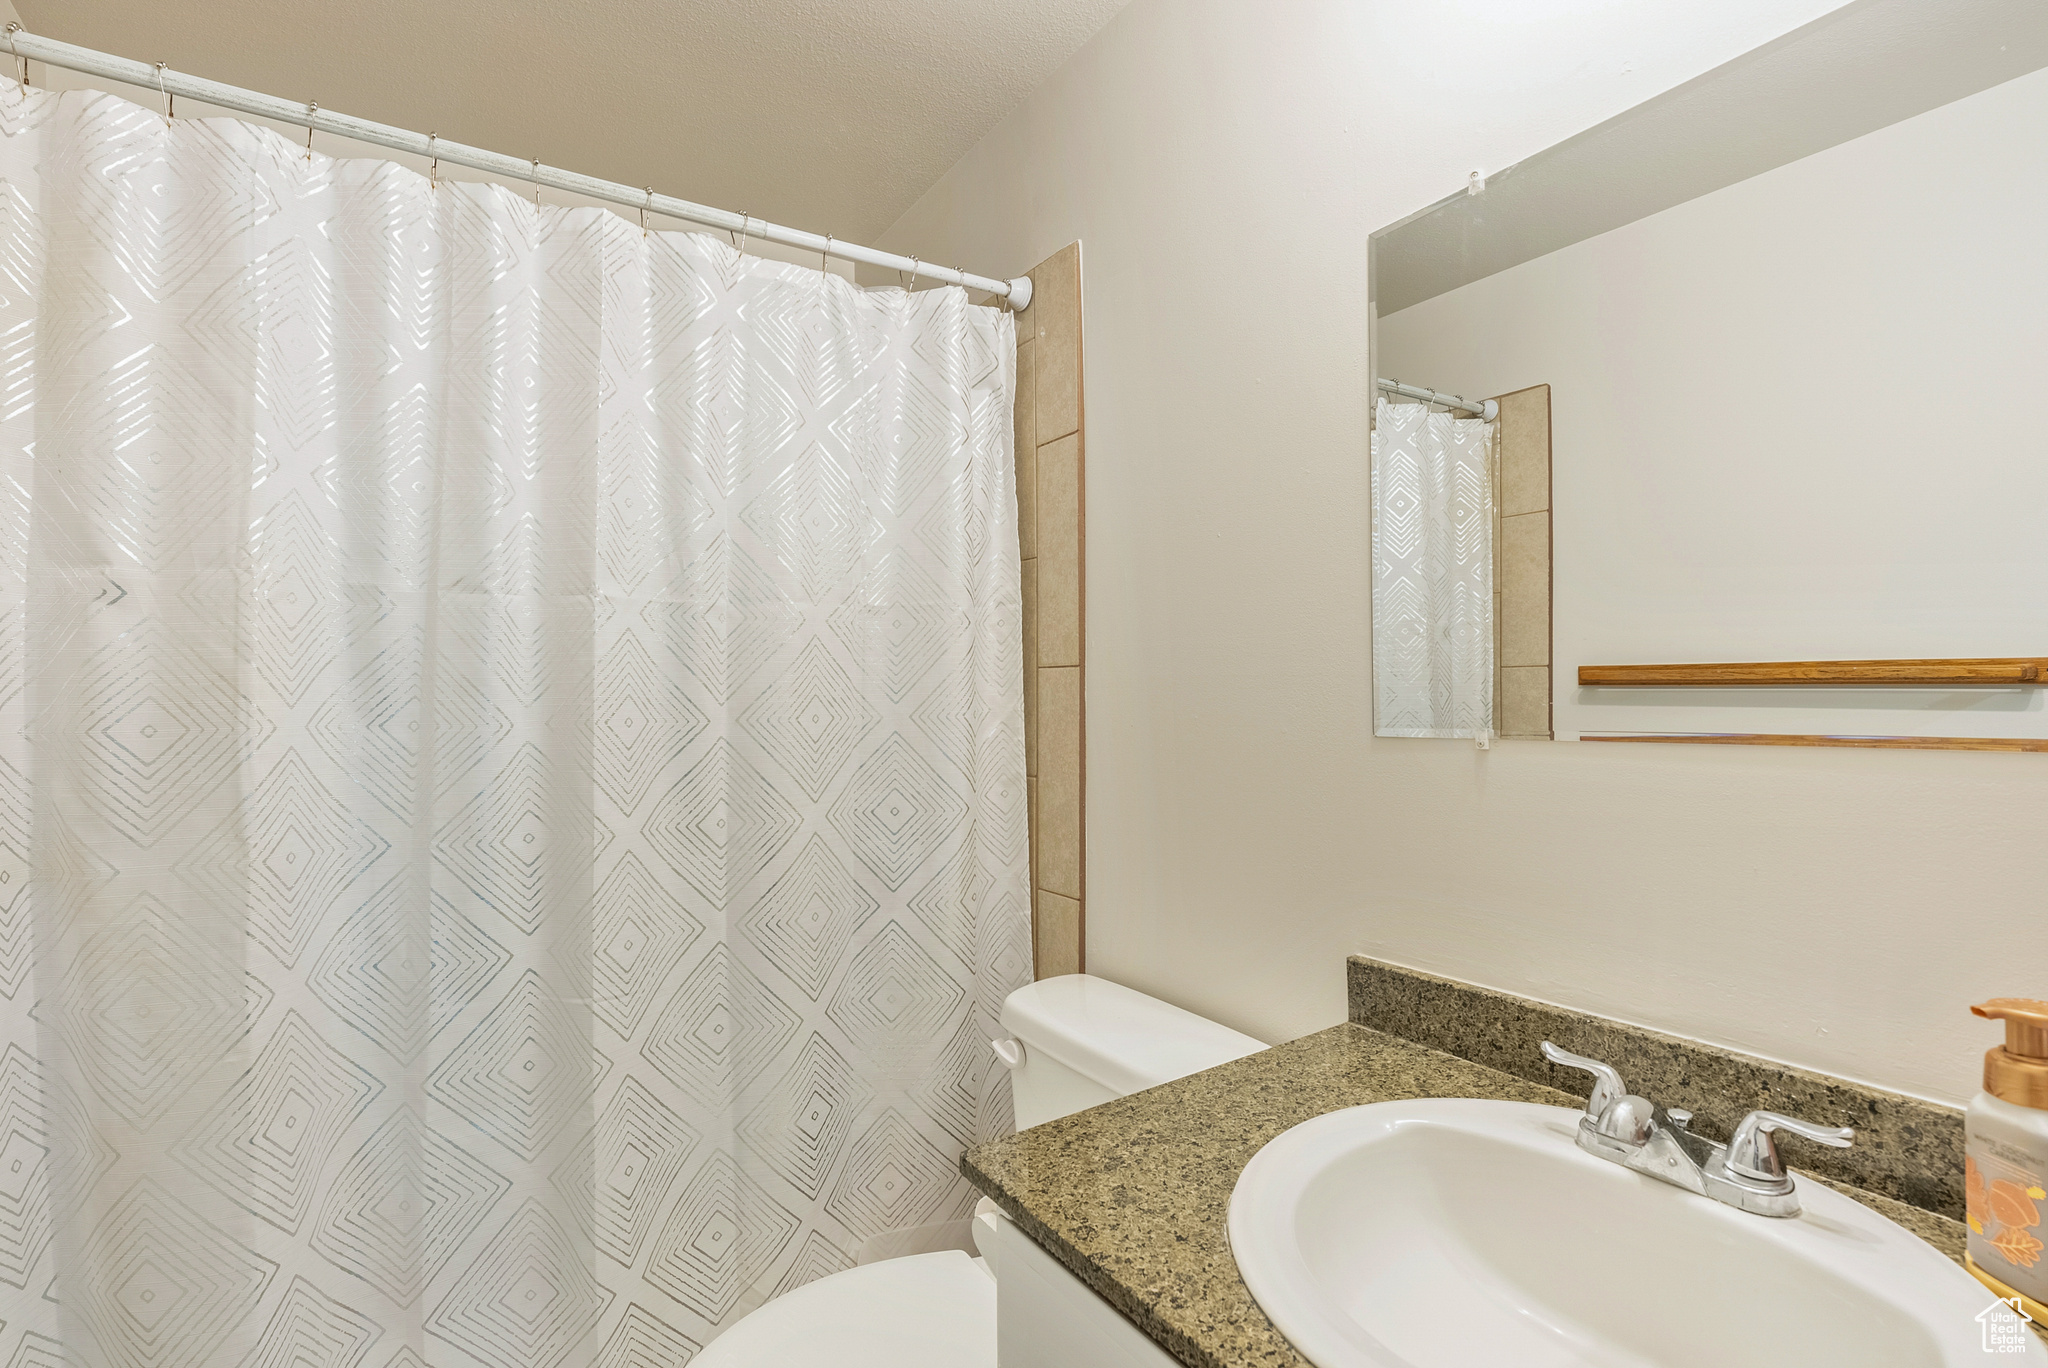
column 1971, row 743
column 2025, row 670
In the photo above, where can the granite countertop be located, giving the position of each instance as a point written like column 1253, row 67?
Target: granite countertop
column 1133, row 1196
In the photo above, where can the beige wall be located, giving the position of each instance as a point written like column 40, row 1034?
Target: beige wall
column 1223, row 163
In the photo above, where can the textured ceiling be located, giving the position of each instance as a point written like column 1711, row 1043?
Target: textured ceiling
column 831, row 115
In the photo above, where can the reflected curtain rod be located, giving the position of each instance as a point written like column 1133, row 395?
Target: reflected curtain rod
column 1486, row 409
column 21, row 43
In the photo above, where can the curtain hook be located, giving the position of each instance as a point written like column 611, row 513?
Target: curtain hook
column 911, row 288
column 169, row 108
column 643, row 211
column 745, row 220
column 433, row 163
column 312, row 112
column 12, row 29
column 825, row 255
column 536, row 182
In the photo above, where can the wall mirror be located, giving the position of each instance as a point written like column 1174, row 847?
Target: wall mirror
column 1792, row 318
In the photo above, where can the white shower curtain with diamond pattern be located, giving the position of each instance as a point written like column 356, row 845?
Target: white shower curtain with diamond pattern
column 1432, row 572
column 512, row 809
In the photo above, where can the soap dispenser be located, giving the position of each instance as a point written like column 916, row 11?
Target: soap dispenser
column 2005, row 1165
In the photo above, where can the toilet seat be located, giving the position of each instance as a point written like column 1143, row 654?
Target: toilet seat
column 922, row 1311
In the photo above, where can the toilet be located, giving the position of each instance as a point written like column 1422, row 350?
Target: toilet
column 1074, row 1041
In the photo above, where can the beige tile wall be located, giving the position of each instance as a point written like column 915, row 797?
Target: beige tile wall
column 1050, row 498
column 1522, row 566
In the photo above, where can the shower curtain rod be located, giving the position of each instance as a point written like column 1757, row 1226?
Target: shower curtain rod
column 1486, row 409
column 21, row 43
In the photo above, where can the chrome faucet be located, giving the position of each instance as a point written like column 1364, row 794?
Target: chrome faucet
column 1634, row 1132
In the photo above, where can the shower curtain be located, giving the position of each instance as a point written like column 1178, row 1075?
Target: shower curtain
column 512, row 801
column 1432, row 572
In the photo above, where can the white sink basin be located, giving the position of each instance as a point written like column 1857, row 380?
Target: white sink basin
column 1464, row 1232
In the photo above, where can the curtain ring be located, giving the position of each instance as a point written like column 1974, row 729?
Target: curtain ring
column 170, row 109
column 745, row 220
column 911, row 288
column 825, row 255
column 312, row 111
column 643, row 211
column 536, row 182
column 433, row 163
column 12, row 29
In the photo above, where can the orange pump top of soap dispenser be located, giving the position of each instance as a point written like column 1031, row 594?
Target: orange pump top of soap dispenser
column 2017, row 1071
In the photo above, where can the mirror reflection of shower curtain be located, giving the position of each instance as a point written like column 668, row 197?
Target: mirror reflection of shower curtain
column 1432, row 572
column 512, row 798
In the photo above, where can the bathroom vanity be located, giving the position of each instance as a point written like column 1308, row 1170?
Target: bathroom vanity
column 1116, row 1251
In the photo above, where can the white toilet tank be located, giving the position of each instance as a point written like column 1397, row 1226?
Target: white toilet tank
column 1075, row 1041
column 1080, row 1040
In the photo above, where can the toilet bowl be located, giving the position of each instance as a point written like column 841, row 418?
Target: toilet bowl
column 1074, row 1041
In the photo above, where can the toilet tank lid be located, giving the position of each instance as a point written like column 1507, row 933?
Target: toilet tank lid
column 1120, row 1038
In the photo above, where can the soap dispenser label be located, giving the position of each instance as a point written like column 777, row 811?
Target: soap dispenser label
column 2004, row 1203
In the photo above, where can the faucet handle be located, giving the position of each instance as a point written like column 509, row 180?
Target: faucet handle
column 1607, row 1085
column 1753, row 1154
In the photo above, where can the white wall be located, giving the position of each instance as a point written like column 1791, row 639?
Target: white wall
column 1223, row 164
column 1763, row 452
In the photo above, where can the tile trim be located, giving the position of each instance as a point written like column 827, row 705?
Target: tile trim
column 1059, row 278
column 1504, row 610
